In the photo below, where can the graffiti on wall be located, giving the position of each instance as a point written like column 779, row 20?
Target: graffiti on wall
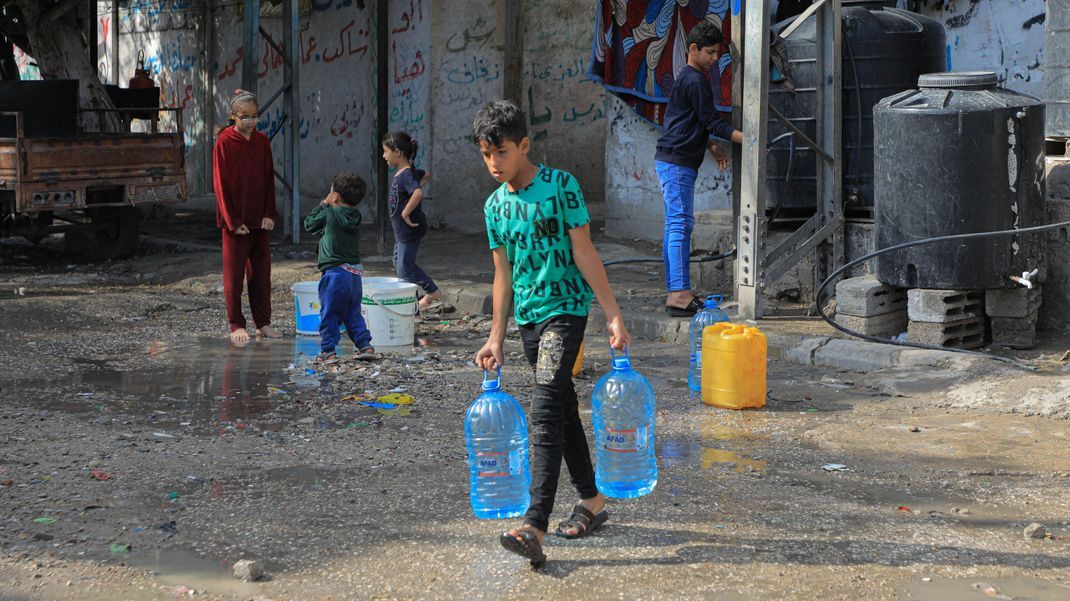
column 158, row 15
column 410, row 53
column 346, row 41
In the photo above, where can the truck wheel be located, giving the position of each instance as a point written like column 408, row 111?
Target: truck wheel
column 117, row 231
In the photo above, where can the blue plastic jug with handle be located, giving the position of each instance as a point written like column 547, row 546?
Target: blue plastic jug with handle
column 496, row 434
column 710, row 314
column 623, row 408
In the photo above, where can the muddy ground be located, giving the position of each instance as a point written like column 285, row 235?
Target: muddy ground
column 141, row 455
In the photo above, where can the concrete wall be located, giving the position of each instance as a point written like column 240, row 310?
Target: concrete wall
column 566, row 110
column 1004, row 36
column 445, row 61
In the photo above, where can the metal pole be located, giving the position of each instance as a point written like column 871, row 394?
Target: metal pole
column 208, row 82
column 750, row 228
column 381, row 94
column 250, row 44
column 115, row 42
column 513, row 80
column 292, row 99
column 737, row 101
column 829, row 134
column 91, row 12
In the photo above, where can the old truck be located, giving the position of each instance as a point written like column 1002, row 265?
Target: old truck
column 57, row 177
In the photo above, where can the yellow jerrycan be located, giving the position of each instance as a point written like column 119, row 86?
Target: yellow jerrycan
column 733, row 366
column 577, row 367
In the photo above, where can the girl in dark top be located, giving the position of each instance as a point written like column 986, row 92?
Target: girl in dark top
column 406, row 215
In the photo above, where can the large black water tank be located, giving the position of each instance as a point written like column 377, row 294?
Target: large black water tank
column 959, row 155
column 889, row 49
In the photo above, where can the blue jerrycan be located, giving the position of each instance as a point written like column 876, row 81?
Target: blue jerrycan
column 623, row 408
column 496, row 434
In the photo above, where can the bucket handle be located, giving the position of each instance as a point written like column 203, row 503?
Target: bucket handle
column 388, row 309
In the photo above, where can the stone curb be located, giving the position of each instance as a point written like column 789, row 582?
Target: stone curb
column 819, row 351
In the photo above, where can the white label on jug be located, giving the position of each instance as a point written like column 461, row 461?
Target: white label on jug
column 493, row 465
column 625, row 441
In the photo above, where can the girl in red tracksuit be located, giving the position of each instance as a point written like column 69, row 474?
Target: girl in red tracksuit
column 245, row 210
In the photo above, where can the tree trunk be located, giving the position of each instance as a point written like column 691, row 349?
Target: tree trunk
column 58, row 45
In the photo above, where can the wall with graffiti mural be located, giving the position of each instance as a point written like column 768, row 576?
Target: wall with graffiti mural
column 566, row 109
column 410, row 82
column 467, row 58
column 1005, row 37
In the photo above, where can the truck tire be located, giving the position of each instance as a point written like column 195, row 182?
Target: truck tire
column 117, row 231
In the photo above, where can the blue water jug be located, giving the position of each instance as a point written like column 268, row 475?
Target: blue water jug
column 623, row 408
column 707, row 316
column 496, row 434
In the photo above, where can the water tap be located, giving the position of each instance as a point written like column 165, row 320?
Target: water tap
column 1026, row 279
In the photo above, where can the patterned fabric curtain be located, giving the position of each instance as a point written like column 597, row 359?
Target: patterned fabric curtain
column 640, row 46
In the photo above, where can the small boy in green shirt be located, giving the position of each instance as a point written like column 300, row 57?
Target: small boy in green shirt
column 338, row 219
column 547, row 267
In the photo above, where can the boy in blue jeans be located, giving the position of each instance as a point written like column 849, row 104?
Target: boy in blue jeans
column 547, row 268
column 690, row 119
column 337, row 219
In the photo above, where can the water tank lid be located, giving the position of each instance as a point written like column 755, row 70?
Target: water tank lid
column 961, row 80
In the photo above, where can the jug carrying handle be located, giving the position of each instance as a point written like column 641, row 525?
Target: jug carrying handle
column 497, row 377
column 717, row 298
column 613, row 354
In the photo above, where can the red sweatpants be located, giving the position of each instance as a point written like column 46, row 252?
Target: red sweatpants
column 247, row 257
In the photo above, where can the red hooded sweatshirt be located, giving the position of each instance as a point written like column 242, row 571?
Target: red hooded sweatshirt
column 244, row 175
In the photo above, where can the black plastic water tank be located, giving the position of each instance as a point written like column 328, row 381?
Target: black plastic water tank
column 959, row 155
column 888, row 49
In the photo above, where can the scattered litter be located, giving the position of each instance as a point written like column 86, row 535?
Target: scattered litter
column 162, row 435
column 45, row 520
column 915, row 429
column 1065, row 357
column 7, row 482
column 172, row 495
column 170, row 527
column 276, row 390
column 396, row 390
column 397, row 399
column 375, row 405
column 84, row 394
column 185, row 424
column 834, row 467
column 99, row 475
column 926, row 579
column 960, row 511
column 904, row 509
column 120, row 548
column 352, row 425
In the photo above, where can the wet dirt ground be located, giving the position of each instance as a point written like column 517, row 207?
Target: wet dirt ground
column 141, row 455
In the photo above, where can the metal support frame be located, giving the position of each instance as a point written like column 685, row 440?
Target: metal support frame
column 381, row 94
column 756, row 265
column 290, row 52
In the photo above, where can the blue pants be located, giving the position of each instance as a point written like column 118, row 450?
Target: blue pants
column 408, row 270
column 678, row 188
column 340, row 293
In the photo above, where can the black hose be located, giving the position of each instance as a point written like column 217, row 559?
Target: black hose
column 825, row 284
column 725, row 256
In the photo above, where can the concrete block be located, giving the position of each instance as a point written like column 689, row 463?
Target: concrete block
column 657, row 325
column 1015, row 332
column 855, row 355
column 1013, row 302
column 715, row 277
column 794, row 349
column 964, row 333
column 887, row 325
column 1057, row 170
column 1055, row 312
column 865, row 296
column 469, row 297
column 944, row 306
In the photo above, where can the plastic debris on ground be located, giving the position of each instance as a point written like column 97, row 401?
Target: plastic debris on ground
column 99, row 475
column 834, row 467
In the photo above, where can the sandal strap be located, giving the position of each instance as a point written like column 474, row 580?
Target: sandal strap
column 580, row 517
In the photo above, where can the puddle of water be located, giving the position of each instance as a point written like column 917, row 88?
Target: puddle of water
column 180, row 568
column 977, row 589
column 712, row 457
column 198, row 385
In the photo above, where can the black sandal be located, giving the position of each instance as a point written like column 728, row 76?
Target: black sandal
column 689, row 311
column 584, row 520
column 528, row 546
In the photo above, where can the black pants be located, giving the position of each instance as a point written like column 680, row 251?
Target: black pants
column 556, row 431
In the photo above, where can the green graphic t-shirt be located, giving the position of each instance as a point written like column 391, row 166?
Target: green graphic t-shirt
column 532, row 224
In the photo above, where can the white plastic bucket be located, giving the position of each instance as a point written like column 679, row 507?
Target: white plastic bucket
column 307, row 308
column 389, row 308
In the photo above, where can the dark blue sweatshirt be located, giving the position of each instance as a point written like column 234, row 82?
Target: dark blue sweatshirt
column 689, row 120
